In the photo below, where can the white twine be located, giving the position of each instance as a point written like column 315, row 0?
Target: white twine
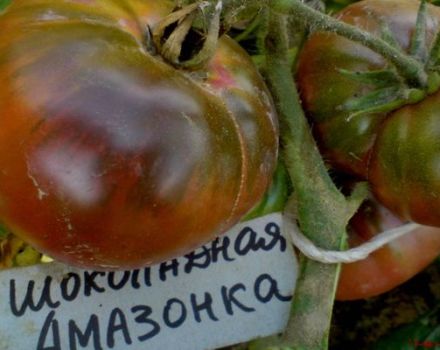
column 309, row 249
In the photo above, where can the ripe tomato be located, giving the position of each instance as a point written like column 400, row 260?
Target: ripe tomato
column 397, row 152
column 111, row 158
column 391, row 265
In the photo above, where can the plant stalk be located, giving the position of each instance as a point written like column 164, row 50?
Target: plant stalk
column 321, row 210
column 409, row 68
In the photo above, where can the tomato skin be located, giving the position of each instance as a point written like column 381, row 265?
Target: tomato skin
column 391, row 265
column 396, row 152
column 111, row 158
column 410, row 141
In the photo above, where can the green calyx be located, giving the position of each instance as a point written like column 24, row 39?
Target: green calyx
column 391, row 90
column 433, row 82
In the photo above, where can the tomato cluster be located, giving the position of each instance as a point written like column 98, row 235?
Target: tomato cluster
column 398, row 152
column 110, row 157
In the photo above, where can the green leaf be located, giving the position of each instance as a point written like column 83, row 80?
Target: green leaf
column 419, row 49
column 387, row 35
column 422, row 334
column 382, row 101
column 337, row 5
column 434, row 54
column 4, row 4
column 3, row 231
column 276, row 196
column 372, row 100
column 27, row 256
column 378, row 78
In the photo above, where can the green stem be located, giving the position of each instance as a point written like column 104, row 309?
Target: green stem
column 412, row 70
column 249, row 29
column 434, row 53
column 322, row 211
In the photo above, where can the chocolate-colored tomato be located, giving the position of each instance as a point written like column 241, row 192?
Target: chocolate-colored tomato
column 111, row 158
column 397, row 152
column 391, row 265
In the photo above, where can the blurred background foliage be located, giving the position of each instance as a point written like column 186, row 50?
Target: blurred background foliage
column 4, row 3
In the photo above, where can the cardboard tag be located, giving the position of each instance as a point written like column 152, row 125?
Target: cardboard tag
column 232, row 290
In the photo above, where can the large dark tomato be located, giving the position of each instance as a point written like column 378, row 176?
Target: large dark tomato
column 391, row 265
column 398, row 152
column 111, row 158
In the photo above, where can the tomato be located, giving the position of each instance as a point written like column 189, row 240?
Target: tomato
column 391, row 265
column 109, row 157
column 398, row 152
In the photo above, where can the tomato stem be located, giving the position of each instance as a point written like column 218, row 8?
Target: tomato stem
column 411, row 70
column 172, row 45
column 322, row 210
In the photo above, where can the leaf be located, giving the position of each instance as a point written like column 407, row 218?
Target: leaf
column 388, row 36
column 333, row 6
column 382, row 101
column 424, row 333
column 434, row 53
column 418, row 47
column 372, row 100
column 378, row 78
column 4, row 4
column 276, row 196
column 3, row 231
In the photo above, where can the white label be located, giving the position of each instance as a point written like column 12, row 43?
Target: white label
column 232, row 290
